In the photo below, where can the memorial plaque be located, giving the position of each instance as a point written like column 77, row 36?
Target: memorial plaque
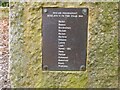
column 64, row 42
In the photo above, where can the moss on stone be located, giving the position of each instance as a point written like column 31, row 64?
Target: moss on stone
column 26, row 55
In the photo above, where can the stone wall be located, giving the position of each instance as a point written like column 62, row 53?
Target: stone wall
column 26, row 55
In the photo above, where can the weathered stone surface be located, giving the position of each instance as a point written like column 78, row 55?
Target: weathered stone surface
column 25, row 43
column 103, row 47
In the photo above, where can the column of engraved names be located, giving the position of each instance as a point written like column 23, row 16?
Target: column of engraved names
column 62, row 39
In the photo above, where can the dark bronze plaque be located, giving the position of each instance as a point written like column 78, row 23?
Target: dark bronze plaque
column 64, row 43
